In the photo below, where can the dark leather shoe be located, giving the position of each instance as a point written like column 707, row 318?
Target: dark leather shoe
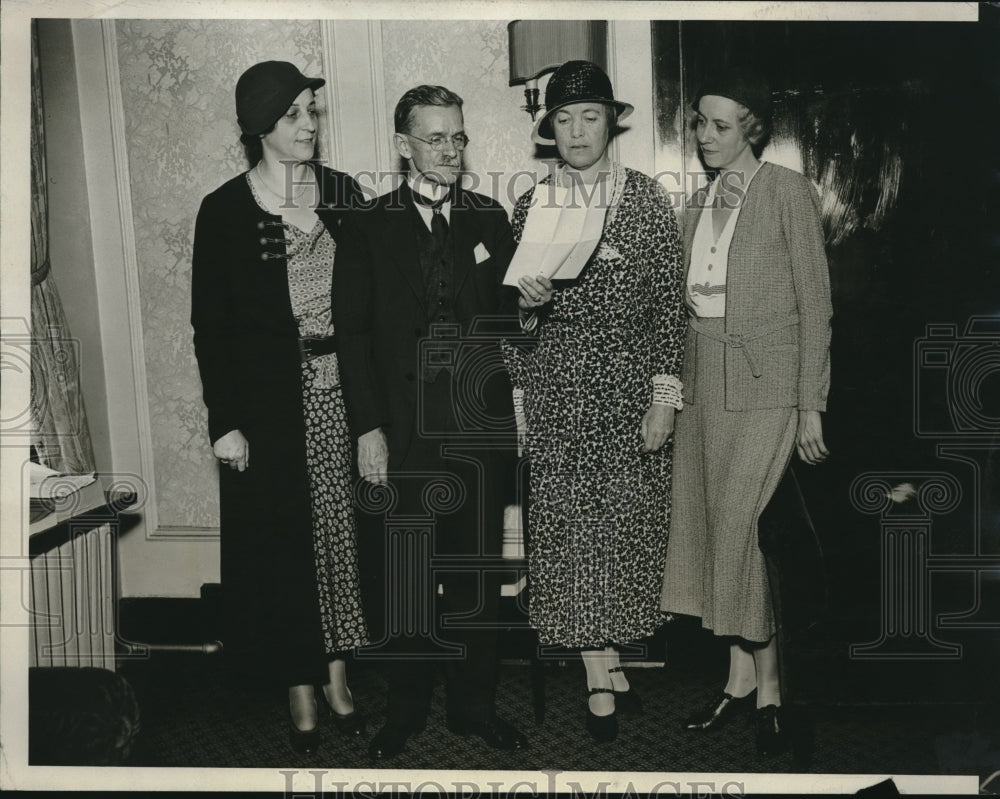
column 349, row 724
column 772, row 737
column 496, row 732
column 391, row 739
column 628, row 702
column 722, row 708
column 603, row 729
column 303, row 742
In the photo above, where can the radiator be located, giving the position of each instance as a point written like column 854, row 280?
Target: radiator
column 73, row 602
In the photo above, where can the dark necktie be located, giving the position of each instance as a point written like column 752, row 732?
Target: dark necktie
column 439, row 227
column 439, row 224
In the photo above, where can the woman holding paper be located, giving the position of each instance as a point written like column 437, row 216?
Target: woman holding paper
column 599, row 393
column 756, row 373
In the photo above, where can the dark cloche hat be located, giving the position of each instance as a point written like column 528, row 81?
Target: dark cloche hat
column 265, row 91
column 744, row 85
column 575, row 82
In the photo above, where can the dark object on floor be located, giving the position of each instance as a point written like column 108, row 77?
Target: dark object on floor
column 391, row 739
column 628, row 702
column 80, row 717
column 349, row 724
column 884, row 788
column 722, row 708
column 303, row 742
column 772, row 735
column 496, row 733
column 603, row 729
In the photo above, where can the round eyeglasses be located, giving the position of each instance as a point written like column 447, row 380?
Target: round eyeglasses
column 459, row 141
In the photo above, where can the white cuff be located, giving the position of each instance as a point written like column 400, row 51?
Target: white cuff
column 668, row 390
column 518, row 403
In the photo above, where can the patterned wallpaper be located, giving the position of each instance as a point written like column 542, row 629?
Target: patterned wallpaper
column 177, row 81
column 426, row 51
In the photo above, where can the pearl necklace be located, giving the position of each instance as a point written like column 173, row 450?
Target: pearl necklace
column 284, row 199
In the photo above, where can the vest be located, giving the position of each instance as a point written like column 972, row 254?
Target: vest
column 437, row 268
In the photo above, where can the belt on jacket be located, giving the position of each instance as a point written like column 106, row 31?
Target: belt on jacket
column 313, row 346
column 740, row 340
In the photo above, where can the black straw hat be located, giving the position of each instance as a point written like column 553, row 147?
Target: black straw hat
column 265, row 91
column 743, row 85
column 575, row 82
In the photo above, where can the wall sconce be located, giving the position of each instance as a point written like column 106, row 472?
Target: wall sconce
column 537, row 46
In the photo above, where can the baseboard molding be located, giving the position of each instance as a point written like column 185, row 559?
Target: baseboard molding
column 171, row 620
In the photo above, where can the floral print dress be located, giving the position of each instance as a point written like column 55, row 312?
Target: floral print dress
column 328, row 444
column 599, row 507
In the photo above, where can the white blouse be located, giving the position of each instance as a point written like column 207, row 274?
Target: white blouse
column 706, row 280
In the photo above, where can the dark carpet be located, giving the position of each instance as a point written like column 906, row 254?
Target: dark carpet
column 194, row 714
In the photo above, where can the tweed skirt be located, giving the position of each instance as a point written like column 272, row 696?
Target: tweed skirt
column 727, row 465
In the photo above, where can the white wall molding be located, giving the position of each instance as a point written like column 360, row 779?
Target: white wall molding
column 382, row 129
column 630, row 56
column 332, row 93
column 153, row 562
column 133, row 305
column 615, row 83
column 355, row 96
column 90, row 41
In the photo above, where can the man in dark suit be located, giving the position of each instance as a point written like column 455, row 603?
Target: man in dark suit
column 418, row 310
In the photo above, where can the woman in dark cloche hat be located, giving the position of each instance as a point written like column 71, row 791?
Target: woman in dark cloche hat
column 600, row 391
column 756, row 376
column 262, row 269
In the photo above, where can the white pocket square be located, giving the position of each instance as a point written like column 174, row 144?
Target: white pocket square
column 481, row 253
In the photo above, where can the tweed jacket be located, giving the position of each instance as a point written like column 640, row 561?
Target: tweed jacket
column 778, row 306
column 379, row 312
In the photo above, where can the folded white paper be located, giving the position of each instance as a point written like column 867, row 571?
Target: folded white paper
column 47, row 483
column 560, row 234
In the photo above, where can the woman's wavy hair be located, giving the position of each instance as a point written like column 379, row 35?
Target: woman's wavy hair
column 755, row 130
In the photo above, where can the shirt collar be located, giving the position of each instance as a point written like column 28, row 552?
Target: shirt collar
column 431, row 191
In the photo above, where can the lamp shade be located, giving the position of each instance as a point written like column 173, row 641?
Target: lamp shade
column 539, row 45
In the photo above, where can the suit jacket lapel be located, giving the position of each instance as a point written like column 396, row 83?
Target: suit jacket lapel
column 465, row 236
column 401, row 220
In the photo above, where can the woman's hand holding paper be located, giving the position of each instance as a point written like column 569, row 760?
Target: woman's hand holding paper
column 535, row 292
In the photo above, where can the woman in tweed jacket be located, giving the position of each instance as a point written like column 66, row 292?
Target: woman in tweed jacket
column 756, row 376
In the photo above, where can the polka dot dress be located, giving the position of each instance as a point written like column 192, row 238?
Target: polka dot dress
column 328, row 447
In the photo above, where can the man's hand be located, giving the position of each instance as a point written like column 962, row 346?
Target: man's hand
column 373, row 457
